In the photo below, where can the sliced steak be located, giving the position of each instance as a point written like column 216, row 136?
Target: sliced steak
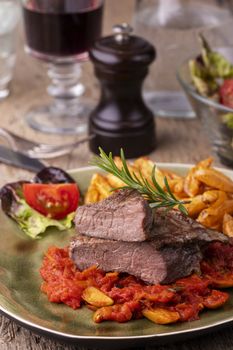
column 124, row 216
column 172, row 228
column 158, row 247
column 141, row 259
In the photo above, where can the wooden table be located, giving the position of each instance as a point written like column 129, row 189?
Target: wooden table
column 178, row 141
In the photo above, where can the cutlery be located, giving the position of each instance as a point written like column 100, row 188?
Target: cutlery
column 39, row 150
column 19, row 160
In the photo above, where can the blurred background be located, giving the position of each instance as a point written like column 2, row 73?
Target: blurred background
column 172, row 26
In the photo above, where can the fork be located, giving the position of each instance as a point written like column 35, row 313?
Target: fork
column 39, row 150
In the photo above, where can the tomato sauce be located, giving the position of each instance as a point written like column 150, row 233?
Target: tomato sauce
column 64, row 283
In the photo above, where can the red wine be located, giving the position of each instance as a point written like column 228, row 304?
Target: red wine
column 62, row 33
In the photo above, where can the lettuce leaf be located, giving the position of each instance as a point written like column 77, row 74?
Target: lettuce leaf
column 215, row 64
column 33, row 223
column 204, row 83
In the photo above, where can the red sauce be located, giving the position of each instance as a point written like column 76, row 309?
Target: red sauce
column 64, row 283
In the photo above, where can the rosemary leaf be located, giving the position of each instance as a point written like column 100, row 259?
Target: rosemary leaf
column 153, row 192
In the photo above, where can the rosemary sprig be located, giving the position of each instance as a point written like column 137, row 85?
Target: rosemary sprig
column 155, row 194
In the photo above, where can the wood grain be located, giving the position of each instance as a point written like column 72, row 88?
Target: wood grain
column 178, row 141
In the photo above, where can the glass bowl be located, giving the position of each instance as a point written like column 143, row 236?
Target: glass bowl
column 213, row 116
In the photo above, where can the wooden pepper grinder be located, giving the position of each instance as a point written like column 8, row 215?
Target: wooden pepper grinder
column 121, row 119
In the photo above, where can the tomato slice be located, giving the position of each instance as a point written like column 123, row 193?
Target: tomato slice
column 52, row 200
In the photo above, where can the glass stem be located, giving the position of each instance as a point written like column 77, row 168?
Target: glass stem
column 65, row 88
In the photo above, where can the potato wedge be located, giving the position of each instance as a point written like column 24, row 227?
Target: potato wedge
column 158, row 176
column 196, row 205
column 178, row 188
column 214, row 178
column 204, row 201
column 92, row 194
column 227, row 225
column 96, row 297
column 161, row 316
column 205, row 163
column 142, row 165
column 114, row 182
column 212, row 217
column 99, row 189
column 192, row 186
column 102, row 314
column 212, row 196
column 145, row 167
column 170, row 175
column 131, row 167
column 215, row 204
column 103, row 186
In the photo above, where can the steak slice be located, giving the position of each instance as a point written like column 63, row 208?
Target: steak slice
column 141, row 259
column 172, row 228
column 127, row 216
column 124, row 216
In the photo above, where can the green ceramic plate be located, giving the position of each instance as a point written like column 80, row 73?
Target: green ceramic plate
column 21, row 299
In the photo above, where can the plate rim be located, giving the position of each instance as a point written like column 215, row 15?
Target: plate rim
column 36, row 327
column 99, row 337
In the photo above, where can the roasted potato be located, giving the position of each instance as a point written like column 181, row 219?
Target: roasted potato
column 99, row 189
column 195, row 206
column 170, row 175
column 161, row 316
column 215, row 179
column 212, row 217
column 211, row 196
column 145, row 167
column 113, row 181
column 92, row 195
column 192, row 186
column 96, row 297
column 227, row 226
column 178, row 188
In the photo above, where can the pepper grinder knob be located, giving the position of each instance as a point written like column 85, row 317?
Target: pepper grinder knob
column 122, row 32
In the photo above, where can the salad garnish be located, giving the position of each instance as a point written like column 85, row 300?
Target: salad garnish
column 49, row 200
column 209, row 70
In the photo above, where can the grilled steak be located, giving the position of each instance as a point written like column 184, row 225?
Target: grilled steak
column 124, row 216
column 172, row 228
column 141, row 259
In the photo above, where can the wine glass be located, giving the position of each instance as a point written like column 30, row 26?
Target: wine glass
column 60, row 33
column 173, row 26
column 9, row 18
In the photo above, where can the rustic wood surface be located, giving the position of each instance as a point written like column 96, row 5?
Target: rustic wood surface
column 178, row 141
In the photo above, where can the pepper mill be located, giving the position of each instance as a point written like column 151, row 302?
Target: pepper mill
column 121, row 119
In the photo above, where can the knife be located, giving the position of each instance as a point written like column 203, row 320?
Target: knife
column 19, row 160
